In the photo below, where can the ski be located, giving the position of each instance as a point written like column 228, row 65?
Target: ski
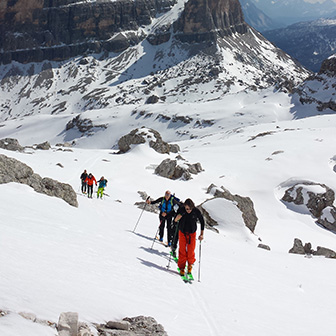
column 164, row 244
column 184, row 277
column 190, row 277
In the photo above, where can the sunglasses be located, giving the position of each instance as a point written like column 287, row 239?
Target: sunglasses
column 187, row 209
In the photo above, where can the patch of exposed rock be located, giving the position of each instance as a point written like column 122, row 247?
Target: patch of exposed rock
column 83, row 125
column 11, row 144
column 144, row 206
column 314, row 198
column 244, row 204
column 12, row 170
column 14, row 145
column 171, row 169
column 143, row 135
column 299, row 248
column 69, row 325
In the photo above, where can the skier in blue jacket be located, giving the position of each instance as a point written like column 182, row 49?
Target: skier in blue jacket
column 167, row 213
column 102, row 183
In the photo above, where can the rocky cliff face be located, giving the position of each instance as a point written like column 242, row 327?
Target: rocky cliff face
column 204, row 20
column 36, row 30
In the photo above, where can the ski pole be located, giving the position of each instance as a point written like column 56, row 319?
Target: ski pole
column 155, row 236
column 173, row 243
column 199, row 262
column 141, row 214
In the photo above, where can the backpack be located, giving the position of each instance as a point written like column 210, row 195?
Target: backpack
column 169, row 205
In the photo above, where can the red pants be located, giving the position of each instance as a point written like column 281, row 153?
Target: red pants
column 187, row 242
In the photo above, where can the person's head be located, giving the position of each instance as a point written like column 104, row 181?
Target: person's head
column 167, row 194
column 102, row 178
column 189, row 205
column 90, row 175
column 85, row 171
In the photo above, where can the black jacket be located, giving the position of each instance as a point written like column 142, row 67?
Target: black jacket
column 83, row 176
column 188, row 221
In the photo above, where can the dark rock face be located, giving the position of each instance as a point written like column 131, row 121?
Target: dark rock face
column 204, row 20
column 328, row 67
column 35, row 30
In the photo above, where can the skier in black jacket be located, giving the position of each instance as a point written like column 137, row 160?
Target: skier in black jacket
column 167, row 213
column 83, row 178
column 187, row 216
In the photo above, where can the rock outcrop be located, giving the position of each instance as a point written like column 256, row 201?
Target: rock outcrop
column 143, row 135
column 299, row 248
column 244, row 204
column 12, row 170
column 317, row 199
column 11, row 144
column 204, row 20
column 328, row 67
column 37, row 30
column 171, row 169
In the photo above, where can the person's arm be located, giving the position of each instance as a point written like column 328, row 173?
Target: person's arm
column 154, row 202
column 201, row 219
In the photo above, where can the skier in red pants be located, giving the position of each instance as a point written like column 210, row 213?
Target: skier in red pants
column 187, row 217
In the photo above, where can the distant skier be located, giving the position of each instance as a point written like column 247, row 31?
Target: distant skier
column 167, row 203
column 101, row 186
column 90, row 180
column 83, row 178
column 187, row 217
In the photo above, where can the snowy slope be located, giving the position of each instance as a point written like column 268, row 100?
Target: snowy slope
column 87, row 259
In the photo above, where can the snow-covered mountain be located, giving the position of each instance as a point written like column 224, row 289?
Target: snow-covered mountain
column 289, row 12
column 244, row 110
column 256, row 18
column 309, row 42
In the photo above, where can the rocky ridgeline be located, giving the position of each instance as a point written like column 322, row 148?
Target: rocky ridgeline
column 326, row 79
column 32, row 31
column 12, row 170
column 69, row 325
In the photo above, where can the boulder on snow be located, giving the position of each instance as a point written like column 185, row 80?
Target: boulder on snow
column 68, row 324
column 11, row 144
column 12, row 170
column 143, row 135
column 244, row 204
column 170, row 169
column 317, row 198
column 44, row 145
column 132, row 326
column 323, row 251
column 297, row 247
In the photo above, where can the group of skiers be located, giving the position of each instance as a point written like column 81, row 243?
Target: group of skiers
column 87, row 184
column 181, row 219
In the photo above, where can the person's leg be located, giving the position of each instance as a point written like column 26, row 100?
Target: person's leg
column 191, row 244
column 182, row 259
column 161, row 227
column 170, row 230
